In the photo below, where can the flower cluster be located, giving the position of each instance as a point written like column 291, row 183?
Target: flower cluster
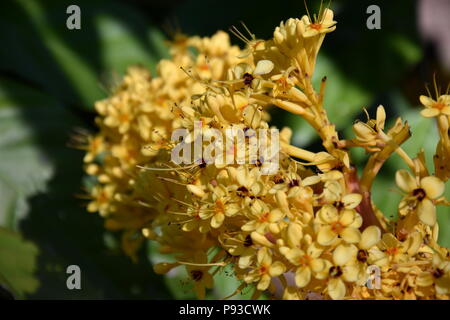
column 310, row 230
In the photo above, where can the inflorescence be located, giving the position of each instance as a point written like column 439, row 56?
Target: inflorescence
column 308, row 230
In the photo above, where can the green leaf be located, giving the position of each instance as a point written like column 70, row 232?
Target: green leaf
column 17, row 263
column 24, row 169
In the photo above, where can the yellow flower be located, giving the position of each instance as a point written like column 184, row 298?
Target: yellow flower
column 102, row 197
column 264, row 270
column 434, row 108
column 439, row 275
column 323, row 24
column 308, row 263
column 240, row 246
column 421, row 193
column 221, row 206
column 334, row 224
column 368, row 134
column 95, row 146
column 262, row 217
column 390, row 249
column 200, row 275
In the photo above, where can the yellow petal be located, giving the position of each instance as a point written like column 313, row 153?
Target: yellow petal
column 351, row 273
column 294, row 255
column 351, row 200
column 347, row 217
column 245, row 261
column 413, row 243
column 196, row 190
column 262, row 255
column 294, row 234
column 314, row 250
column 427, row 101
column 446, row 111
column 425, row 279
column 426, row 211
column 370, row 237
column 343, row 254
column 250, row 226
column 302, row 276
column 276, row 269
column 217, row 220
column 405, row 181
column 260, row 239
column 351, row 235
column 318, row 265
column 433, row 186
column 429, row 113
column 232, row 209
column 326, row 236
column 310, row 180
column 263, row 67
column 328, row 214
column 328, row 16
column 381, row 117
column 445, row 99
column 276, row 215
column 336, row 289
column 264, row 283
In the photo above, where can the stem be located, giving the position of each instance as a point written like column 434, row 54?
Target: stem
column 365, row 208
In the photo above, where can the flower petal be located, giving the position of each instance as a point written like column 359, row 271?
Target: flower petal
column 351, row 273
column 264, row 283
column 318, row 265
column 336, row 289
column 426, row 211
column 347, row 217
column 294, row 234
column 326, row 236
column 351, row 235
column 381, row 117
column 276, row 269
column 433, row 186
column 429, row 113
column 370, row 237
column 217, row 220
column 446, row 110
column 263, row 67
column 427, row 101
column 351, row 200
column 343, row 254
column 405, row 181
column 328, row 214
column 302, row 276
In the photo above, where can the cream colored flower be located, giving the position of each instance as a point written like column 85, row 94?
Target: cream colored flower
column 391, row 250
column 336, row 224
column 307, row 262
column 346, row 269
column 221, row 207
column 262, row 217
column 264, row 270
column 434, row 108
column 422, row 194
column 323, row 24
column 439, row 275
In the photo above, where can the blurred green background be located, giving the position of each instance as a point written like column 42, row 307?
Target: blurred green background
column 50, row 78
